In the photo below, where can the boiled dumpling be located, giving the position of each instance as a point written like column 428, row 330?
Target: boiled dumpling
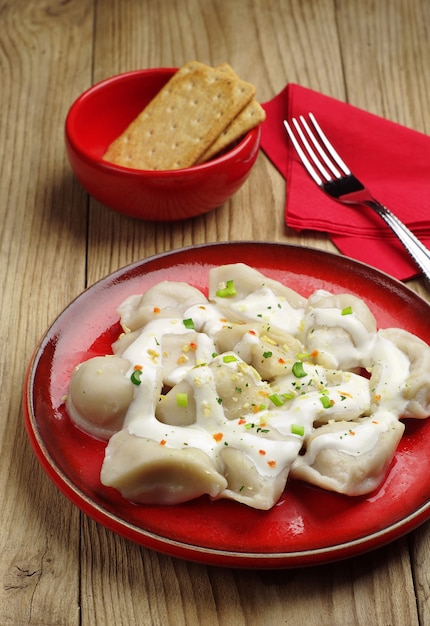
column 247, row 280
column 247, row 295
column 239, row 387
column 148, row 472
column 182, row 352
column 417, row 385
column 323, row 394
column 350, row 457
column 100, row 394
column 246, row 484
column 271, row 352
column 389, row 373
column 166, row 299
column 177, row 407
column 339, row 330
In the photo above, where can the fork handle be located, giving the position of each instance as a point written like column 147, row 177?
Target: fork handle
column 417, row 250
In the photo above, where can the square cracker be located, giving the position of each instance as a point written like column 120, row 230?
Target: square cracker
column 182, row 120
column 252, row 115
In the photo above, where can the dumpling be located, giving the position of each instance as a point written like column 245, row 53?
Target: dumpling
column 271, row 352
column 177, row 407
column 165, row 299
column 389, row 373
column 247, row 295
column 323, row 394
column 239, row 387
column 182, row 352
column 350, row 457
column 147, row 472
column 246, row 281
column 339, row 329
column 246, row 484
column 124, row 341
column 99, row 395
column 416, row 390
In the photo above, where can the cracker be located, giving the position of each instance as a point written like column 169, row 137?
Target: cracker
column 183, row 119
column 252, row 115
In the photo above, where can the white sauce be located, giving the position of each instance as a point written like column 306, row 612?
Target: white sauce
column 357, row 438
column 348, row 399
column 353, row 345
column 267, row 436
column 264, row 306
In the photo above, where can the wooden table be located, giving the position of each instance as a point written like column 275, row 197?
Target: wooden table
column 57, row 565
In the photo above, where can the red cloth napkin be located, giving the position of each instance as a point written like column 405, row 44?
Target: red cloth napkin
column 393, row 161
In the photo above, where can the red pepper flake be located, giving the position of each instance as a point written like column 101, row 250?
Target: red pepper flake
column 193, row 346
column 377, row 397
column 163, row 442
column 263, row 452
column 352, row 432
column 241, row 421
column 314, row 354
column 218, row 436
column 157, row 309
column 252, row 332
column 271, row 463
column 375, row 422
column 281, row 361
column 138, row 367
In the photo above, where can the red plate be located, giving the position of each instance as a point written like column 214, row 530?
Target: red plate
column 308, row 526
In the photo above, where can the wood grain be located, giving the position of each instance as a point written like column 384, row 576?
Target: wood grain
column 58, row 566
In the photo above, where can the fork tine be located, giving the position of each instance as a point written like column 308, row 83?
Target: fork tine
column 317, row 145
column 345, row 169
column 304, row 159
column 308, row 147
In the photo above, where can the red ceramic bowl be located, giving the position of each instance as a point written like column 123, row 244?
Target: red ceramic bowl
column 103, row 112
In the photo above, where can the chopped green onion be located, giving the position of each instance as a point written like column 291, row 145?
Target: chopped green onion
column 326, row 402
column 135, row 377
column 277, row 399
column 298, row 370
column 347, row 310
column 267, row 355
column 182, row 400
column 227, row 291
column 188, row 323
column 289, row 396
column 229, row 358
column 298, row 429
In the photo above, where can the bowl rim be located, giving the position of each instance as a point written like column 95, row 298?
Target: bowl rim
column 251, row 137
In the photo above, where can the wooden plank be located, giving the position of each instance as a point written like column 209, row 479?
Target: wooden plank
column 42, row 236
column 385, row 49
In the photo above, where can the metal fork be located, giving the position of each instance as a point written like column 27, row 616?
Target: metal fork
column 333, row 176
